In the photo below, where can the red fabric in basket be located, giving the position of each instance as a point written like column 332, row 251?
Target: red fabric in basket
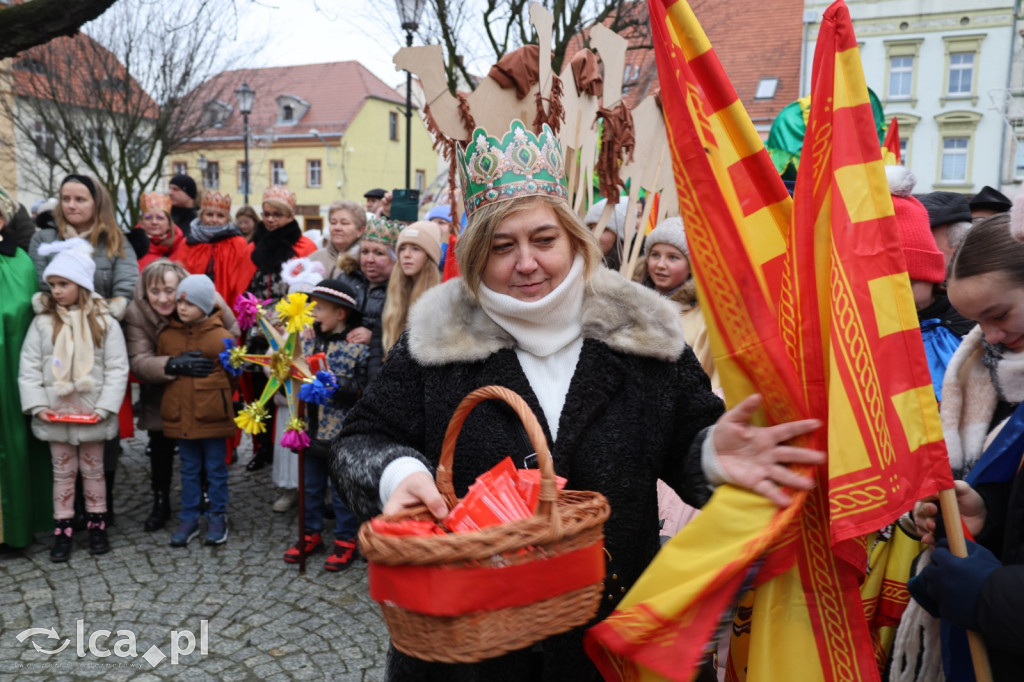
column 448, row 591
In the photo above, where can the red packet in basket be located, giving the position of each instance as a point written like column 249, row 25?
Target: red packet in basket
column 69, row 418
column 492, row 500
column 406, row 528
column 528, row 483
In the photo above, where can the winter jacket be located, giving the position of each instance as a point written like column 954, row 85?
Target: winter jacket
column 22, row 227
column 269, row 250
column 636, row 411
column 225, row 260
column 115, row 275
column 172, row 251
column 37, row 384
column 371, row 299
column 142, row 326
column 197, row 407
column 347, row 362
column 329, row 257
column 182, row 216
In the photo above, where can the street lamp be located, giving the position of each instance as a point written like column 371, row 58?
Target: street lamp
column 245, row 95
column 409, row 12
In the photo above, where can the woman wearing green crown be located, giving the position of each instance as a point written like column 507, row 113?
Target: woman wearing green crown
column 600, row 360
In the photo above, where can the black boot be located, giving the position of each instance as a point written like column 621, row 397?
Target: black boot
column 161, row 511
column 61, row 549
column 98, row 543
column 108, row 480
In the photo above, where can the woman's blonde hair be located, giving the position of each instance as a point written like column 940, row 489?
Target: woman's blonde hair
column 357, row 211
column 474, row 247
column 94, row 318
column 158, row 269
column 104, row 224
column 403, row 291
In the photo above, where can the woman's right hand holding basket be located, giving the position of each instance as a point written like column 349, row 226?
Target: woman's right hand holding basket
column 416, row 489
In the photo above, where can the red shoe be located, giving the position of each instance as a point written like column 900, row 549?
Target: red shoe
column 342, row 557
column 313, row 544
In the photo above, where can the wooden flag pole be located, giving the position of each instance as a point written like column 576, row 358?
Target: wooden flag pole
column 958, row 547
column 301, row 454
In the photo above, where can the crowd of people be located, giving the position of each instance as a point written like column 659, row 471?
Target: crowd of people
column 619, row 373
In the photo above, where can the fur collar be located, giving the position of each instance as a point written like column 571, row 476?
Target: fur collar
column 448, row 325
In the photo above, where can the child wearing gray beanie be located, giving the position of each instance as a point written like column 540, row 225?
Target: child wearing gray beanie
column 199, row 291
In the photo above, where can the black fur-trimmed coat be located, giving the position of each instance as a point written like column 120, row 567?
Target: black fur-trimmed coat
column 635, row 411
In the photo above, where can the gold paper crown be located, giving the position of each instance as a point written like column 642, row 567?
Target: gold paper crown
column 154, row 201
column 521, row 164
column 281, row 195
column 217, row 200
column 382, row 231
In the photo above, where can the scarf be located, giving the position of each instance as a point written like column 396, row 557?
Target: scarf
column 209, row 234
column 274, row 248
column 545, row 326
column 73, row 349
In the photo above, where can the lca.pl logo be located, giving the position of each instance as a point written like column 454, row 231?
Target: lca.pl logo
column 183, row 643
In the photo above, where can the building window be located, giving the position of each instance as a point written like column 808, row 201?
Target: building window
column 287, row 113
column 278, row 176
column 901, row 58
column 211, row 176
column 45, row 142
column 766, row 88
column 420, row 179
column 961, row 73
column 314, row 173
column 904, row 151
column 954, row 159
column 243, row 181
column 392, row 125
column 901, row 77
column 179, row 168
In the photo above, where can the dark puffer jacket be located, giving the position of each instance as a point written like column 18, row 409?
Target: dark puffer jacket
column 371, row 299
column 636, row 411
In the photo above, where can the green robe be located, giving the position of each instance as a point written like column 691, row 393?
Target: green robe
column 26, row 475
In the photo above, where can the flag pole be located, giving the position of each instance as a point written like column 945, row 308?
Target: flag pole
column 958, row 547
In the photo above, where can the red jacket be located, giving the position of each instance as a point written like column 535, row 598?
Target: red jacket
column 174, row 250
column 227, row 263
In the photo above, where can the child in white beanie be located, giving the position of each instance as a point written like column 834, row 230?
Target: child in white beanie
column 196, row 407
column 72, row 376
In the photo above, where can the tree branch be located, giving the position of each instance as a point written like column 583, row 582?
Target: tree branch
column 40, row 21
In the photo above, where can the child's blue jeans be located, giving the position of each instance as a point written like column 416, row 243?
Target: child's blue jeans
column 316, row 479
column 195, row 454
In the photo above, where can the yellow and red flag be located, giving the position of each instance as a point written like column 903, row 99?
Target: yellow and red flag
column 891, row 146
column 843, row 313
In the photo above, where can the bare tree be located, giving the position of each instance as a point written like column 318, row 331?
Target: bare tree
column 115, row 101
column 38, row 21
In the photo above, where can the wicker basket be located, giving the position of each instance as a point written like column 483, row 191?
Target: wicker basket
column 543, row 554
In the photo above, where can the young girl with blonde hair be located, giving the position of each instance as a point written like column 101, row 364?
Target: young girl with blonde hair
column 73, row 366
column 419, row 251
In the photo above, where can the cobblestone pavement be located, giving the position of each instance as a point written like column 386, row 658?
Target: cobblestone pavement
column 263, row 620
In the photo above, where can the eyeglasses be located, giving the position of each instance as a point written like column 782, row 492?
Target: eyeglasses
column 274, row 216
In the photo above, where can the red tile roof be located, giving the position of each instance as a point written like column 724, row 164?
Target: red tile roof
column 752, row 41
column 335, row 91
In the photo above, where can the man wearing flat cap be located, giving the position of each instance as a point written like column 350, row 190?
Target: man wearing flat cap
column 989, row 202
column 950, row 218
column 373, row 199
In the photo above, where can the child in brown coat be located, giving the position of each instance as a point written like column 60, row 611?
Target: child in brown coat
column 196, row 407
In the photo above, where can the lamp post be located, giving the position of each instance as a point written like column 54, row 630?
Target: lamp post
column 409, row 12
column 245, row 95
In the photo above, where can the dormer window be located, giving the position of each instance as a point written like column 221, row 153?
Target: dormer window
column 215, row 113
column 291, row 109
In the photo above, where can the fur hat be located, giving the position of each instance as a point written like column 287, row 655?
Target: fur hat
column 617, row 222
column 216, row 200
column 425, row 235
column 669, row 231
column 925, row 263
column 185, row 184
column 945, row 208
column 301, row 274
column 73, row 262
column 199, row 291
column 280, row 195
column 155, row 201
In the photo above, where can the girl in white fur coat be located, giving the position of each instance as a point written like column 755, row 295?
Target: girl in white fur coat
column 74, row 362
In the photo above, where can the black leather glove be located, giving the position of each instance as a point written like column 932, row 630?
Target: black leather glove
column 190, row 364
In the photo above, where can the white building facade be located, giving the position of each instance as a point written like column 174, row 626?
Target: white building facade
column 950, row 73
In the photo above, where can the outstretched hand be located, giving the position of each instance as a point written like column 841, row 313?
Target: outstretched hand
column 755, row 457
column 414, row 490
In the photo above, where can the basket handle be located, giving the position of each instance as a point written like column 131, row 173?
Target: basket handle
column 548, row 490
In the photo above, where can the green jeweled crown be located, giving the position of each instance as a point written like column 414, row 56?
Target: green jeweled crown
column 521, row 164
column 383, row 231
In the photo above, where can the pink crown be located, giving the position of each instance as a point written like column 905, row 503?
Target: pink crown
column 154, row 201
column 216, row 200
column 280, row 194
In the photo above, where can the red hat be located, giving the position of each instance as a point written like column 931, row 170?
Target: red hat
column 925, row 263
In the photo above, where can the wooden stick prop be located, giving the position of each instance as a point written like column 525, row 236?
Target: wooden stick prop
column 958, row 547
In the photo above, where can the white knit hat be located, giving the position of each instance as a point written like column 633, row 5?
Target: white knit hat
column 73, row 262
column 669, row 231
column 617, row 221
